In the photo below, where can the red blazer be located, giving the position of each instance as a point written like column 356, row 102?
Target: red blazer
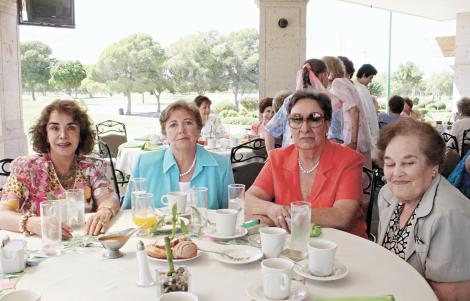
column 339, row 176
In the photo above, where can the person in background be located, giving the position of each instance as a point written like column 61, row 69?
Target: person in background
column 212, row 126
column 460, row 176
column 463, row 121
column 313, row 76
column 62, row 137
column 376, row 105
column 364, row 77
column 395, row 107
column 266, row 110
column 184, row 164
column 279, row 98
column 408, row 109
column 312, row 169
column 423, row 219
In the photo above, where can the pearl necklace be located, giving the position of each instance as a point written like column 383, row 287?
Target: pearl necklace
column 311, row 169
column 190, row 168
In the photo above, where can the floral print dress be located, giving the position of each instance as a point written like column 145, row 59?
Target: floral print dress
column 33, row 180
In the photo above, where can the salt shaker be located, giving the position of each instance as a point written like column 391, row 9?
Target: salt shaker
column 143, row 274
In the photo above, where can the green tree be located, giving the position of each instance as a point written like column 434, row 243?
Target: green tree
column 407, row 80
column 35, row 65
column 241, row 62
column 125, row 64
column 89, row 85
column 197, row 63
column 67, row 75
column 440, row 84
column 378, row 85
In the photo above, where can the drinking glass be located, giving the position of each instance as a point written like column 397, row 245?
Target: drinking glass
column 143, row 212
column 51, row 227
column 199, row 196
column 236, row 200
column 137, row 186
column 300, row 225
column 75, row 200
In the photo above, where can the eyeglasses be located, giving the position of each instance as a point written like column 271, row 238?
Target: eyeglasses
column 314, row 120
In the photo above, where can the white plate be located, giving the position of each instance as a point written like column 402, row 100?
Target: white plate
column 252, row 254
column 174, row 260
column 298, row 292
column 166, row 212
column 239, row 233
column 339, row 271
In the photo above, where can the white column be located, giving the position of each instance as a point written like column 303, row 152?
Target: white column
column 281, row 50
column 13, row 140
column 462, row 57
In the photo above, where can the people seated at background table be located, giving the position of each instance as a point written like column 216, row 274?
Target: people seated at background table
column 460, row 176
column 355, row 130
column 313, row 76
column 313, row 169
column 266, row 110
column 395, row 107
column 423, row 219
column 408, row 109
column 184, row 164
column 62, row 137
column 463, row 120
column 212, row 127
column 364, row 77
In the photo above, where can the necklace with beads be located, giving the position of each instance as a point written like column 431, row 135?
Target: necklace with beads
column 67, row 180
column 190, row 168
column 311, row 169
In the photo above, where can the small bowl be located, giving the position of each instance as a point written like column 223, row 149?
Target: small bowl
column 22, row 295
column 178, row 296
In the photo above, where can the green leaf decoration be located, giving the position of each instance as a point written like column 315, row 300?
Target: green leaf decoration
column 184, row 227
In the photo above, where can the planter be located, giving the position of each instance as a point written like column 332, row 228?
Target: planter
column 178, row 281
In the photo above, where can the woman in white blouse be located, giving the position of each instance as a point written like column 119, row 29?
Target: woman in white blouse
column 212, row 126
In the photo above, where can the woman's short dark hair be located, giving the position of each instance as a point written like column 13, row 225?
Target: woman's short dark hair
column 321, row 98
column 71, row 108
column 279, row 98
column 463, row 105
column 408, row 101
column 366, row 70
column 264, row 103
column 396, row 104
column 318, row 66
column 200, row 99
column 430, row 141
column 180, row 105
column 348, row 65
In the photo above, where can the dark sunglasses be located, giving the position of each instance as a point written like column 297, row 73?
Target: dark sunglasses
column 313, row 120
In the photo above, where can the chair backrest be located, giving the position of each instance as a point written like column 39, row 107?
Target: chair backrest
column 241, row 152
column 452, row 158
column 465, row 143
column 451, row 141
column 4, row 169
column 372, row 188
column 247, row 173
column 110, row 126
column 113, row 141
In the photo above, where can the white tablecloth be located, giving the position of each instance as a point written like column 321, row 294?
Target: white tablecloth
column 88, row 276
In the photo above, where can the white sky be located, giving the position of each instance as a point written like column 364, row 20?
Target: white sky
column 333, row 28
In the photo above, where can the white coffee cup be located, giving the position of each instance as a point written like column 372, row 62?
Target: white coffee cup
column 272, row 241
column 22, row 295
column 321, row 257
column 225, row 221
column 178, row 296
column 276, row 277
column 177, row 197
column 211, row 142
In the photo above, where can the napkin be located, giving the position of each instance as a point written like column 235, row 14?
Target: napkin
column 370, row 298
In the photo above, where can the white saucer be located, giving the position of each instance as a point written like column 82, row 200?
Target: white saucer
column 154, row 259
column 339, row 271
column 239, row 233
column 298, row 292
column 251, row 254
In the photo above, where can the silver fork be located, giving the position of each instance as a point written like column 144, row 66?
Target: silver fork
column 224, row 254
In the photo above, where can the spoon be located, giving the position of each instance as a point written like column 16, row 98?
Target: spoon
column 226, row 255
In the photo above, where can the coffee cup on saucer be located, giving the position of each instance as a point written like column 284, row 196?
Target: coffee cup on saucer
column 321, row 257
column 272, row 241
column 226, row 221
column 276, row 277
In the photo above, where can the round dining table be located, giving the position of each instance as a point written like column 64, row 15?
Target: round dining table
column 84, row 274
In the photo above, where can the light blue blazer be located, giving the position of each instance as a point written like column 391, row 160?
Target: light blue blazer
column 162, row 173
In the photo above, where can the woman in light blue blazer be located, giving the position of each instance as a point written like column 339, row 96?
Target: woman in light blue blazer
column 184, row 164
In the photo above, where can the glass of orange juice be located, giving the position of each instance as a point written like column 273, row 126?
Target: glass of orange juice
column 143, row 212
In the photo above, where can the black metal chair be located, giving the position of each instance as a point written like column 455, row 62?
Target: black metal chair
column 5, row 168
column 113, row 133
column 258, row 150
column 465, row 143
column 246, row 173
column 118, row 177
column 372, row 188
column 451, row 141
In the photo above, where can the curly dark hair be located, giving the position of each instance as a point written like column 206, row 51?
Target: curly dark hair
column 264, row 103
column 38, row 131
column 200, row 99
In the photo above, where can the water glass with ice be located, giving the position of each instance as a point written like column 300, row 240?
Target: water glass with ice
column 236, row 200
column 75, row 200
column 198, row 199
column 300, row 225
column 137, row 186
column 51, row 227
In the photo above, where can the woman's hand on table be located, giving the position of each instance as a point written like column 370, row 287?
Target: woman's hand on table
column 34, row 226
column 98, row 222
column 280, row 215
